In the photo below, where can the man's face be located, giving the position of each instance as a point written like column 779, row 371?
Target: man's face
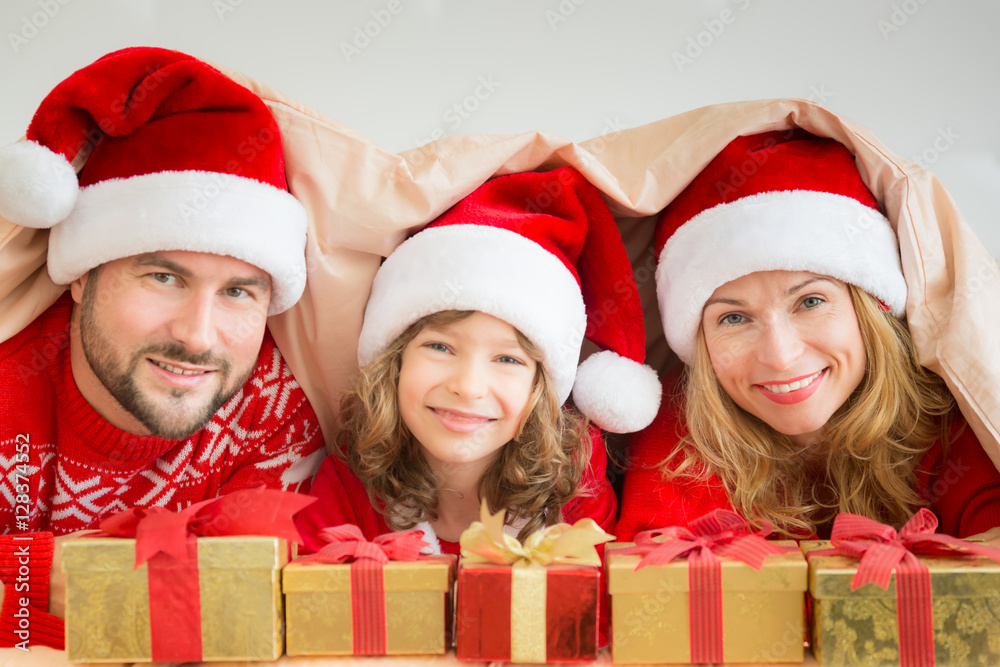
column 167, row 338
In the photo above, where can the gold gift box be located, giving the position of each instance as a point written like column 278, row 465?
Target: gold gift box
column 417, row 603
column 107, row 599
column 763, row 616
column 860, row 628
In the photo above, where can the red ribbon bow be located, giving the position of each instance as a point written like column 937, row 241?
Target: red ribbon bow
column 881, row 551
column 722, row 533
column 256, row 511
column 347, row 544
column 167, row 541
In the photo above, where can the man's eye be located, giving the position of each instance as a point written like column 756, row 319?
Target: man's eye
column 235, row 292
column 164, row 278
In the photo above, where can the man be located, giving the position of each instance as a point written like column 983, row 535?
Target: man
column 154, row 381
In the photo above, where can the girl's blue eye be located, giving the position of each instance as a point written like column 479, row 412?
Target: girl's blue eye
column 732, row 318
column 437, row 347
column 509, row 360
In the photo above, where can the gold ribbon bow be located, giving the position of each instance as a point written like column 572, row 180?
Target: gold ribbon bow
column 485, row 542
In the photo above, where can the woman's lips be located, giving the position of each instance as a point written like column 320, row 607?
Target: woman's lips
column 795, row 391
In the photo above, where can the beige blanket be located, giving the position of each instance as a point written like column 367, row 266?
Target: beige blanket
column 363, row 201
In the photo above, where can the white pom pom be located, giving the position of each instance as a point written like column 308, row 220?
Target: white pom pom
column 38, row 187
column 618, row 394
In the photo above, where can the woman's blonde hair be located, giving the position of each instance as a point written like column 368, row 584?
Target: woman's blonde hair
column 872, row 444
column 533, row 476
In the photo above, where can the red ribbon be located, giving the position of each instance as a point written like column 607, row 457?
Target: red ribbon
column 721, row 533
column 167, row 541
column 882, row 550
column 348, row 545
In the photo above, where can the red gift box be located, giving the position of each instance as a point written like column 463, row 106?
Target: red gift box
column 536, row 602
column 558, row 621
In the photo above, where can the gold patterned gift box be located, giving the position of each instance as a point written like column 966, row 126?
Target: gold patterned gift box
column 762, row 610
column 325, row 613
column 111, row 615
column 860, row 627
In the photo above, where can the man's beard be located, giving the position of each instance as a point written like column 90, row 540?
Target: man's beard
column 177, row 420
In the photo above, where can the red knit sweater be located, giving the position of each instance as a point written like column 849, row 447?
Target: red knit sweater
column 962, row 489
column 64, row 467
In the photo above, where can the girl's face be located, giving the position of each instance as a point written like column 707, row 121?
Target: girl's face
column 786, row 347
column 463, row 388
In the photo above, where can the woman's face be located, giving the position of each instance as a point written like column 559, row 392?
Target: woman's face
column 786, row 347
column 463, row 388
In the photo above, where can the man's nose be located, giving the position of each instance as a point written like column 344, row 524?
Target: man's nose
column 194, row 325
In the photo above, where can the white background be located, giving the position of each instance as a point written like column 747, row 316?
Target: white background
column 924, row 75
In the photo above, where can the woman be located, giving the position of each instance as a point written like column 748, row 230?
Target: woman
column 780, row 288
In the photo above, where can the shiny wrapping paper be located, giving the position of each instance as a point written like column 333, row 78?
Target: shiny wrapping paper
column 860, row 627
column 762, row 611
column 538, row 614
column 318, row 605
column 108, row 604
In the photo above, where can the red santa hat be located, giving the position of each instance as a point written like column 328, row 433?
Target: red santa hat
column 542, row 252
column 783, row 200
column 175, row 156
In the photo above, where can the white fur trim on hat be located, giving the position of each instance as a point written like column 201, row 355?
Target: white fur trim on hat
column 476, row 267
column 789, row 230
column 38, row 186
column 197, row 211
column 618, row 394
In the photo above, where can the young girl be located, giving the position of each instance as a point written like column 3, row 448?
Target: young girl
column 468, row 351
column 802, row 395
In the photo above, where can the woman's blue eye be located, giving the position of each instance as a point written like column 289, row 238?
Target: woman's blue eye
column 811, row 301
column 732, row 318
